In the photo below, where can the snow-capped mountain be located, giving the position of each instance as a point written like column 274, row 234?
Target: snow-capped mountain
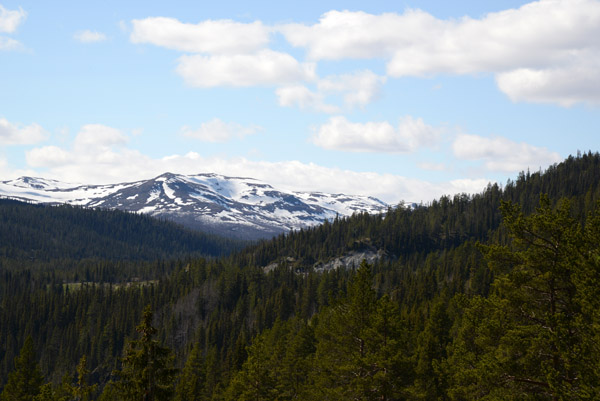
column 232, row 206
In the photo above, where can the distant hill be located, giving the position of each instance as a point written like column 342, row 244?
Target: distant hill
column 242, row 208
column 40, row 233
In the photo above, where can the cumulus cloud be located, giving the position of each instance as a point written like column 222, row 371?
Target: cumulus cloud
column 502, row 154
column 302, row 97
column 533, row 44
column 93, row 137
column 48, row 156
column 357, row 35
column 11, row 19
column 358, row 89
column 566, row 86
column 410, row 134
column 223, row 52
column 214, row 37
column 266, row 67
column 17, row 134
column 216, row 130
column 88, row 36
column 97, row 152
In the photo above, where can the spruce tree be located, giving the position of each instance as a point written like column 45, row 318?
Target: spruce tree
column 193, row 377
column 82, row 391
column 25, row 381
column 147, row 373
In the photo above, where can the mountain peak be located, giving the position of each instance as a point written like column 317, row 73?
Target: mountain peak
column 230, row 206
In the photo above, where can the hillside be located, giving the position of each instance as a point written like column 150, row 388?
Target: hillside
column 38, row 234
column 442, row 224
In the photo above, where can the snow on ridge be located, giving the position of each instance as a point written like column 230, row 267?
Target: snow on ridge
column 211, row 198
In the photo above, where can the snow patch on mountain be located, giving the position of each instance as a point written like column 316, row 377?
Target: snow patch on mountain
column 234, row 206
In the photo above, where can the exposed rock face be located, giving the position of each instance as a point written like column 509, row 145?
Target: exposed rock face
column 352, row 260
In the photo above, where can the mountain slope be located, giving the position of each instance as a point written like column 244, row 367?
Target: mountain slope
column 41, row 233
column 232, row 206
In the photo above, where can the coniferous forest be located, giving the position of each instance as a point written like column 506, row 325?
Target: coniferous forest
column 492, row 296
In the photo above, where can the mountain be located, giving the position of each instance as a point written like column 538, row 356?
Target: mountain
column 230, row 206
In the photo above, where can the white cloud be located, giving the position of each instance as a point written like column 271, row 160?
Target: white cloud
column 215, row 37
column 265, row 67
column 88, row 36
column 9, row 44
column 565, row 86
column 94, row 137
column 48, row 156
column 359, row 89
column 534, row 43
column 340, row 134
column 302, row 97
column 502, row 154
column 11, row 19
column 357, row 35
column 97, row 153
column 216, row 130
column 17, row 134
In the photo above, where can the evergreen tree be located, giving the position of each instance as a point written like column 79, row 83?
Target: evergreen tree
column 25, row 382
column 193, row 377
column 359, row 346
column 431, row 351
column 147, row 373
column 530, row 336
column 82, row 391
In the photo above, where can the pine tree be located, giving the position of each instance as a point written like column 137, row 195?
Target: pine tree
column 147, row 373
column 25, row 382
column 530, row 337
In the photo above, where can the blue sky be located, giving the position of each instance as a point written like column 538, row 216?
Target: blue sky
column 403, row 100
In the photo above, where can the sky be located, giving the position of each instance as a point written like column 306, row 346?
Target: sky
column 405, row 101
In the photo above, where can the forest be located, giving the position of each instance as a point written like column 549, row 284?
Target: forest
column 492, row 296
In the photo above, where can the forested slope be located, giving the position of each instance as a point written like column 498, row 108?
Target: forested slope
column 442, row 224
column 478, row 299
column 39, row 233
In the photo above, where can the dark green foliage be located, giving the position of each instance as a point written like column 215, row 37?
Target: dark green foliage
column 82, row 391
column 191, row 384
column 532, row 338
column 360, row 353
column 147, row 372
column 25, row 381
column 39, row 234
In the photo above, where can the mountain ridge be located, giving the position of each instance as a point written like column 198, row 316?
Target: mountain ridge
column 231, row 206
